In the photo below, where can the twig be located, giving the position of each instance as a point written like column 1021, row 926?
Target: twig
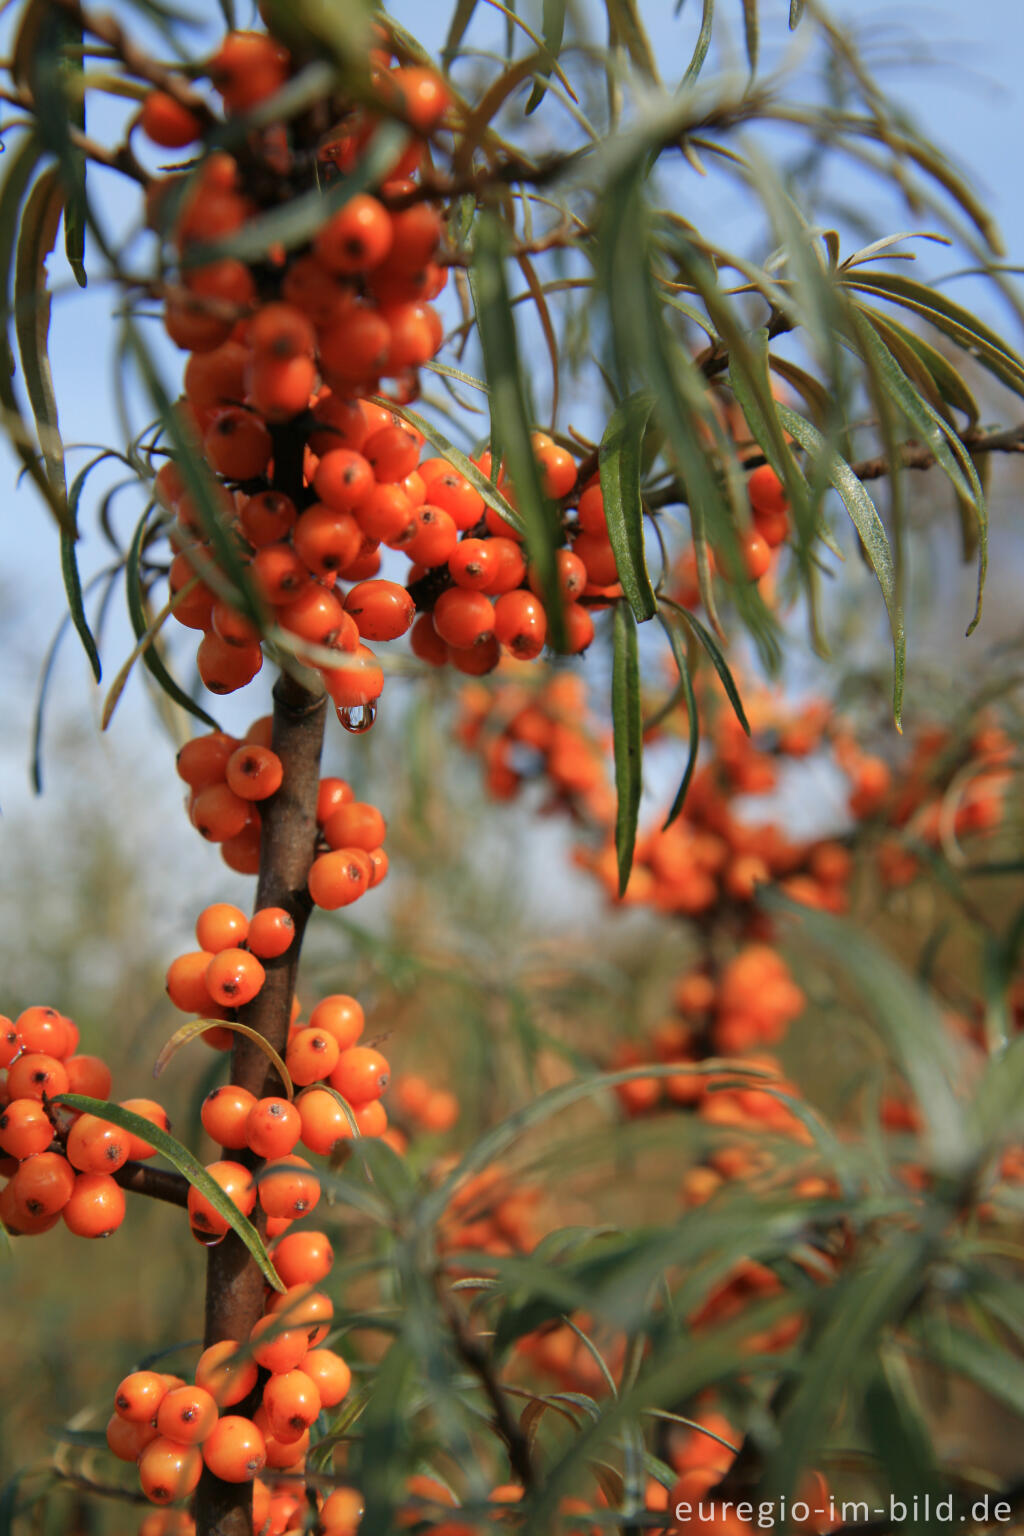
column 157, row 1183
column 477, row 1360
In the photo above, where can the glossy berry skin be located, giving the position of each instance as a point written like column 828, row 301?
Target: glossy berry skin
column 234, row 977
column 463, row 619
column 331, row 1374
column 89, row 1075
column 168, row 1470
column 96, row 1207
column 303, row 1307
column 362, row 1074
column 289, row 1187
column 342, row 1016
column 226, row 1376
column 357, row 824
column 382, row 609
column 325, row 1124
column 43, row 1185
column 277, row 1346
column 35, row 1075
column 311, row 1056
column 237, row 1183
column 340, row 878
column 520, row 624
column 186, row 982
column 273, row 1127
column 221, row 926
column 225, row 1114
column 303, row 1257
column 25, row 1128
column 254, row 773
column 187, row 1415
column 147, row 1109
column 128, row 1441
column 271, row 931
column 139, row 1395
column 97, row 1146
column 291, row 1402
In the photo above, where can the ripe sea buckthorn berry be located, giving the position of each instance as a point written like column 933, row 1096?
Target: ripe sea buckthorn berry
column 357, row 238
column 128, row 1441
column 520, row 624
column 192, row 328
column 426, row 643
column 234, row 977
column 332, row 794
column 291, row 1402
column 97, row 1146
column 339, row 878
column 327, row 539
column 254, row 773
column 434, row 536
column 276, row 1345
column 237, row 1183
column 388, row 515
column 302, row 1306
column 237, row 443
column 89, row 1075
column 267, row 517
column 393, row 451
column 261, row 732
column 35, row 1073
column 247, row 68
column 242, row 852
column 235, row 1449
column 331, row 1374
column 441, row 1111
column 456, row 496
column 354, row 349
column 169, row 1470
column 273, row 1127
column 218, row 813
column 571, row 573
column 139, row 1396
column 356, row 683
column 278, row 573
column 756, row 556
column 225, row 667
column 464, row 619
column 414, row 333
column 211, row 379
column 281, row 331
column 419, row 94
column 225, row 1374
column 362, row 1074
column 271, row 932
column 324, row 1126
column 579, row 629
column 232, row 626
column 557, row 467
column 221, row 926
column 96, row 1207
column 473, row 563
column 378, row 866
column 43, row 1029
column 317, row 616
column 479, row 660
column 227, row 281
column 773, row 527
column 146, row 1109
column 342, row 1016
column 356, row 825
column 591, row 512
column 382, row 609
column 311, row 1056
column 304, row 1257
column 43, row 1185
column 186, row 982
column 186, row 1415
column 364, row 567
column 225, row 1113
column 766, row 492
column 203, row 761
column 289, row 1187
column 339, row 423
column 19, row 1223
column 371, row 1119
column 598, row 558
column 25, row 1128
column 280, row 388
column 167, row 123
column 10, row 1041
column 282, row 1454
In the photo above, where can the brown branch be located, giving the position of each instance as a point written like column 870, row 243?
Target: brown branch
column 121, row 159
column 137, row 61
column 477, row 1360
column 157, row 1183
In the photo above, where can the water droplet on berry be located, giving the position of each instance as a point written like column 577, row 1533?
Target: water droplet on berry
column 357, row 718
column 208, row 1239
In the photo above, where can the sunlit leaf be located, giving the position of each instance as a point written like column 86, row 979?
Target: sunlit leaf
column 199, row 1027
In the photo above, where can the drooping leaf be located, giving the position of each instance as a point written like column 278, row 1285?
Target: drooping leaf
column 627, row 727
column 692, row 716
column 198, row 1027
column 508, row 406
column 151, row 658
column 900, row 1437
column 553, row 28
column 462, row 15
column 620, row 461
column 626, row 30
column 796, row 11
column 998, row 1372
column 39, row 223
column 186, row 1164
column 718, row 661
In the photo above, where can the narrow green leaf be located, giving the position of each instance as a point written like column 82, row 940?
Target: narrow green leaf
column 751, row 33
column 718, row 661
column 508, row 406
column 189, row 1166
column 39, row 222
column 553, row 30
column 948, row 381
column 700, row 51
column 626, row 30
column 900, row 1436
column 796, row 11
column 151, row 658
column 628, row 737
column 73, row 588
column 693, row 719
column 197, row 1027
column 51, row 49
column 461, row 18
column 998, row 1372
column 620, row 460
column 865, row 517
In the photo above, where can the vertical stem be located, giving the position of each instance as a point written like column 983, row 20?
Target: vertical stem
column 234, row 1285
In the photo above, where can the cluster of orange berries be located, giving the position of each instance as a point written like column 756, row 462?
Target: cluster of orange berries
column 59, row 1164
column 172, row 1428
column 524, row 731
column 424, row 1108
column 757, row 544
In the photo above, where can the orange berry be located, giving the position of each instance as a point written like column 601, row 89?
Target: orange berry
column 96, row 1207
column 392, row 451
column 303, row 1307
column 755, row 555
column 267, row 517
column 234, row 977
column 343, row 1509
column 203, row 760
column 217, row 812
column 42, row 1186
column 579, row 629
column 44, row 1029
column 342, row 1016
column 304, row 1257
column 473, row 564
column 361, row 1074
column 311, row 1056
column 426, row 643
column 382, row 609
column 254, row 773
column 279, row 574
column 371, row 1119
column 360, row 681
column 237, row 1183
column 325, row 1124
column 225, row 1113
column 10, row 1041
column 598, row 558
column 344, row 480
column 291, row 1402
column 186, row 982
column 339, row 878
column 327, row 539
column 520, row 624
column 247, row 68
column 25, row 1128
column 356, row 238
column 167, row 123
column 146, row 1109
column 271, row 932
column 275, row 1345
column 464, row 619
column 221, row 926
column 226, row 1375
column 235, row 1450
column 419, row 94
column 139, row 1395
column 273, row 1127
column 289, row 1187
column 186, row 1415
column 237, row 443
column 128, row 1441
column 35, row 1074
column 441, row 1111
column 242, row 852
column 331, row 1374
column 333, row 792
column 434, row 537
column 357, row 824
column 97, row 1146
column 766, row 492
column 89, row 1075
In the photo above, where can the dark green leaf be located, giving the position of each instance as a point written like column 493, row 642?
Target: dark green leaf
column 947, row 381
column 620, row 460
column 997, row 1371
column 628, row 737
column 151, row 657
column 461, row 18
column 39, row 222
column 508, row 406
column 693, row 719
column 796, row 10
column 899, row 1436
column 718, row 661
column 751, row 33
column 553, row 28
column 189, row 1166
column 382, row 1461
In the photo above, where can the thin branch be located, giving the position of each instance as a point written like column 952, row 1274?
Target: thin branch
column 157, row 1183
column 477, row 1360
